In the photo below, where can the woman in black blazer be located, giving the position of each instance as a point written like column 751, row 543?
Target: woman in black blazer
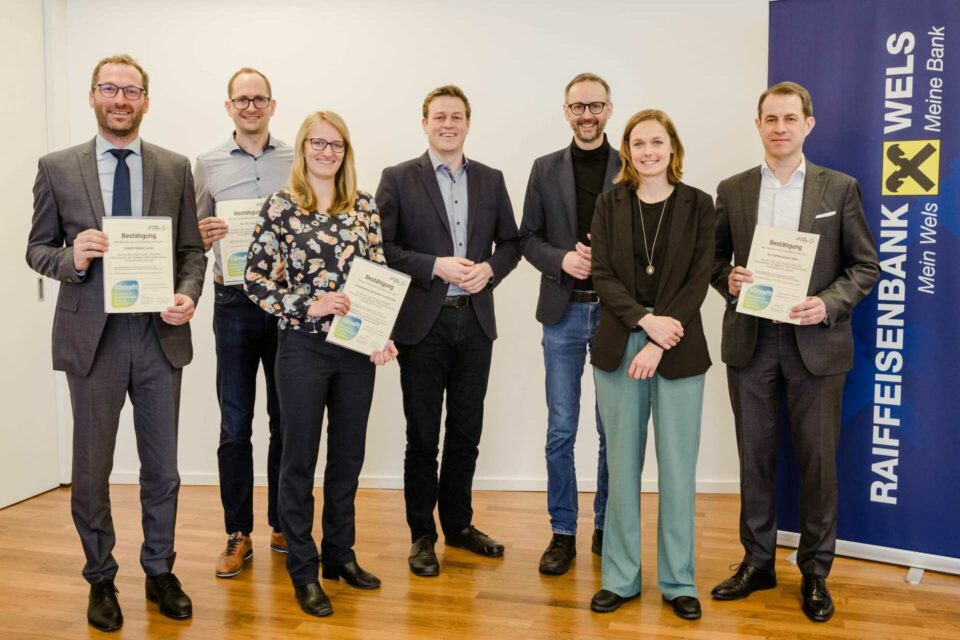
column 653, row 245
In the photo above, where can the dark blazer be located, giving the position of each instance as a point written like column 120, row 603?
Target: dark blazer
column 66, row 201
column 844, row 270
column 684, row 280
column 416, row 232
column 549, row 227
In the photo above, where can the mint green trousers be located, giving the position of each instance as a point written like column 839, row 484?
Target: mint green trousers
column 625, row 409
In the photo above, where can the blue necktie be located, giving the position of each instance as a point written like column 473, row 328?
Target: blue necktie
column 121, row 184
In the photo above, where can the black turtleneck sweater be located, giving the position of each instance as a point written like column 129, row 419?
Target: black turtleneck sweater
column 589, row 168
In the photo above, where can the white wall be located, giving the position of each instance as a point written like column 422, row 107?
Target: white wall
column 372, row 61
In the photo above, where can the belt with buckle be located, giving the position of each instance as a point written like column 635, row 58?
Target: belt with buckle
column 584, row 296
column 457, row 302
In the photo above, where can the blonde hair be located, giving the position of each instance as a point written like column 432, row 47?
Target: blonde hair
column 628, row 173
column 345, row 189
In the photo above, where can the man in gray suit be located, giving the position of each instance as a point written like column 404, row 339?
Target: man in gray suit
column 807, row 362
column 105, row 356
column 554, row 236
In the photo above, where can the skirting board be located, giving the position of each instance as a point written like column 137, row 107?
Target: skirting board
column 396, row 482
column 943, row 564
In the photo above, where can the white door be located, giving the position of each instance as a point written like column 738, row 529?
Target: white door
column 29, row 450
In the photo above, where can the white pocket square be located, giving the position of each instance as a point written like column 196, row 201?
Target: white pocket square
column 826, row 215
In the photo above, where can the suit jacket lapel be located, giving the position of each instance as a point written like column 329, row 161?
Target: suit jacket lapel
column 149, row 175
column 91, row 178
column 623, row 228
column 473, row 202
column 679, row 224
column 813, row 185
column 429, row 177
column 568, row 190
column 750, row 202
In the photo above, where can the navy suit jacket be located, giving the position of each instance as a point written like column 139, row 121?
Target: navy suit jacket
column 416, row 232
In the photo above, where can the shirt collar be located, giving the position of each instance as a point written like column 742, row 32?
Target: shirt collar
column 104, row 145
column 801, row 170
column 236, row 148
column 437, row 163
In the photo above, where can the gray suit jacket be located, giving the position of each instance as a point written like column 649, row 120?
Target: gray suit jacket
column 844, row 271
column 66, row 201
column 549, row 227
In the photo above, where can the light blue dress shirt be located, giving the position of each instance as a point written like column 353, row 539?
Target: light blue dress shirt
column 107, row 168
column 453, row 189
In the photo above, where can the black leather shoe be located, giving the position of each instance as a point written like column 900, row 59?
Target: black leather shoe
column 597, row 544
column 686, row 607
column 472, row 539
column 555, row 561
column 353, row 574
column 313, row 600
column 165, row 590
column 745, row 581
column 103, row 609
column 423, row 560
column 817, row 603
column 604, row 601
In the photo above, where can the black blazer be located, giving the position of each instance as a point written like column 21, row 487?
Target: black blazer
column 549, row 227
column 683, row 283
column 416, row 232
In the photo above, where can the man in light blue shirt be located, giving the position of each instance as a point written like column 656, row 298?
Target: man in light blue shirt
column 251, row 164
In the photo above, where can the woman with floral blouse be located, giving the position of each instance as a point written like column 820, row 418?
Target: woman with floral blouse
column 303, row 245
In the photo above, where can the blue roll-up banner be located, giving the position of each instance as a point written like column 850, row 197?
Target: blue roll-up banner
column 885, row 82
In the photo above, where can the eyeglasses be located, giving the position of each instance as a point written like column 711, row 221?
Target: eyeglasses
column 260, row 102
column 577, row 108
column 319, row 144
column 110, row 90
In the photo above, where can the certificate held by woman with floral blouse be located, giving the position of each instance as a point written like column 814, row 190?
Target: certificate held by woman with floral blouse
column 231, row 252
column 138, row 266
column 376, row 294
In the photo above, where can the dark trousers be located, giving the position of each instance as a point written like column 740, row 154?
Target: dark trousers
column 453, row 357
column 313, row 376
column 246, row 337
column 130, row 361
column 813, row 410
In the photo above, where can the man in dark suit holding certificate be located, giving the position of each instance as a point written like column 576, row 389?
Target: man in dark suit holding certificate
column 809, row 361
column 442, row 217
column 107, row 357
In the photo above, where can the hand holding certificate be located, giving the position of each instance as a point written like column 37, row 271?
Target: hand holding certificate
column 376, row 294
column 781, row 262
column 241, row 217
column 138, row 266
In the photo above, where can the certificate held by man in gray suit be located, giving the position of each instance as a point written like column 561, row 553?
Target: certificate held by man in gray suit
column 107, row 357
column 808, row 360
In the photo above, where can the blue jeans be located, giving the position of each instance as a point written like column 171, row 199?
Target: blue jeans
column 246, row 337
column 565, row 346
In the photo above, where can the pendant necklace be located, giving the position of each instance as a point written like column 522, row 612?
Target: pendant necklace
column 649, row 252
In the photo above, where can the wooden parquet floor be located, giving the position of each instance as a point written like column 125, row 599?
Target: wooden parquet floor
column 42, row 594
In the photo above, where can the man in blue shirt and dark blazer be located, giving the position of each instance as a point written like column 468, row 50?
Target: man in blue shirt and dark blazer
column 442, row 217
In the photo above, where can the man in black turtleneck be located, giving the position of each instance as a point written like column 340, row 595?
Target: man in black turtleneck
column 557, row 213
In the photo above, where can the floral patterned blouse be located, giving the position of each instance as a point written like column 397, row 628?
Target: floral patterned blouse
column 316, row 250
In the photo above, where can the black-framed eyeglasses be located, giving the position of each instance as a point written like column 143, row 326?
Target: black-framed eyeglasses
column 110, row 90
column 577, row 108
column 260, row 102
column 319, row 144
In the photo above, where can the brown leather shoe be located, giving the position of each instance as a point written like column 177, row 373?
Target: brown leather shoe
column 239, row 550
column 278, row 542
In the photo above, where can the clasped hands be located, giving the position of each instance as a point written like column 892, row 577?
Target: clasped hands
column 93, row 243
column 664, row 333
column 811, row 311
column 338, row 304
column 470, row 276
